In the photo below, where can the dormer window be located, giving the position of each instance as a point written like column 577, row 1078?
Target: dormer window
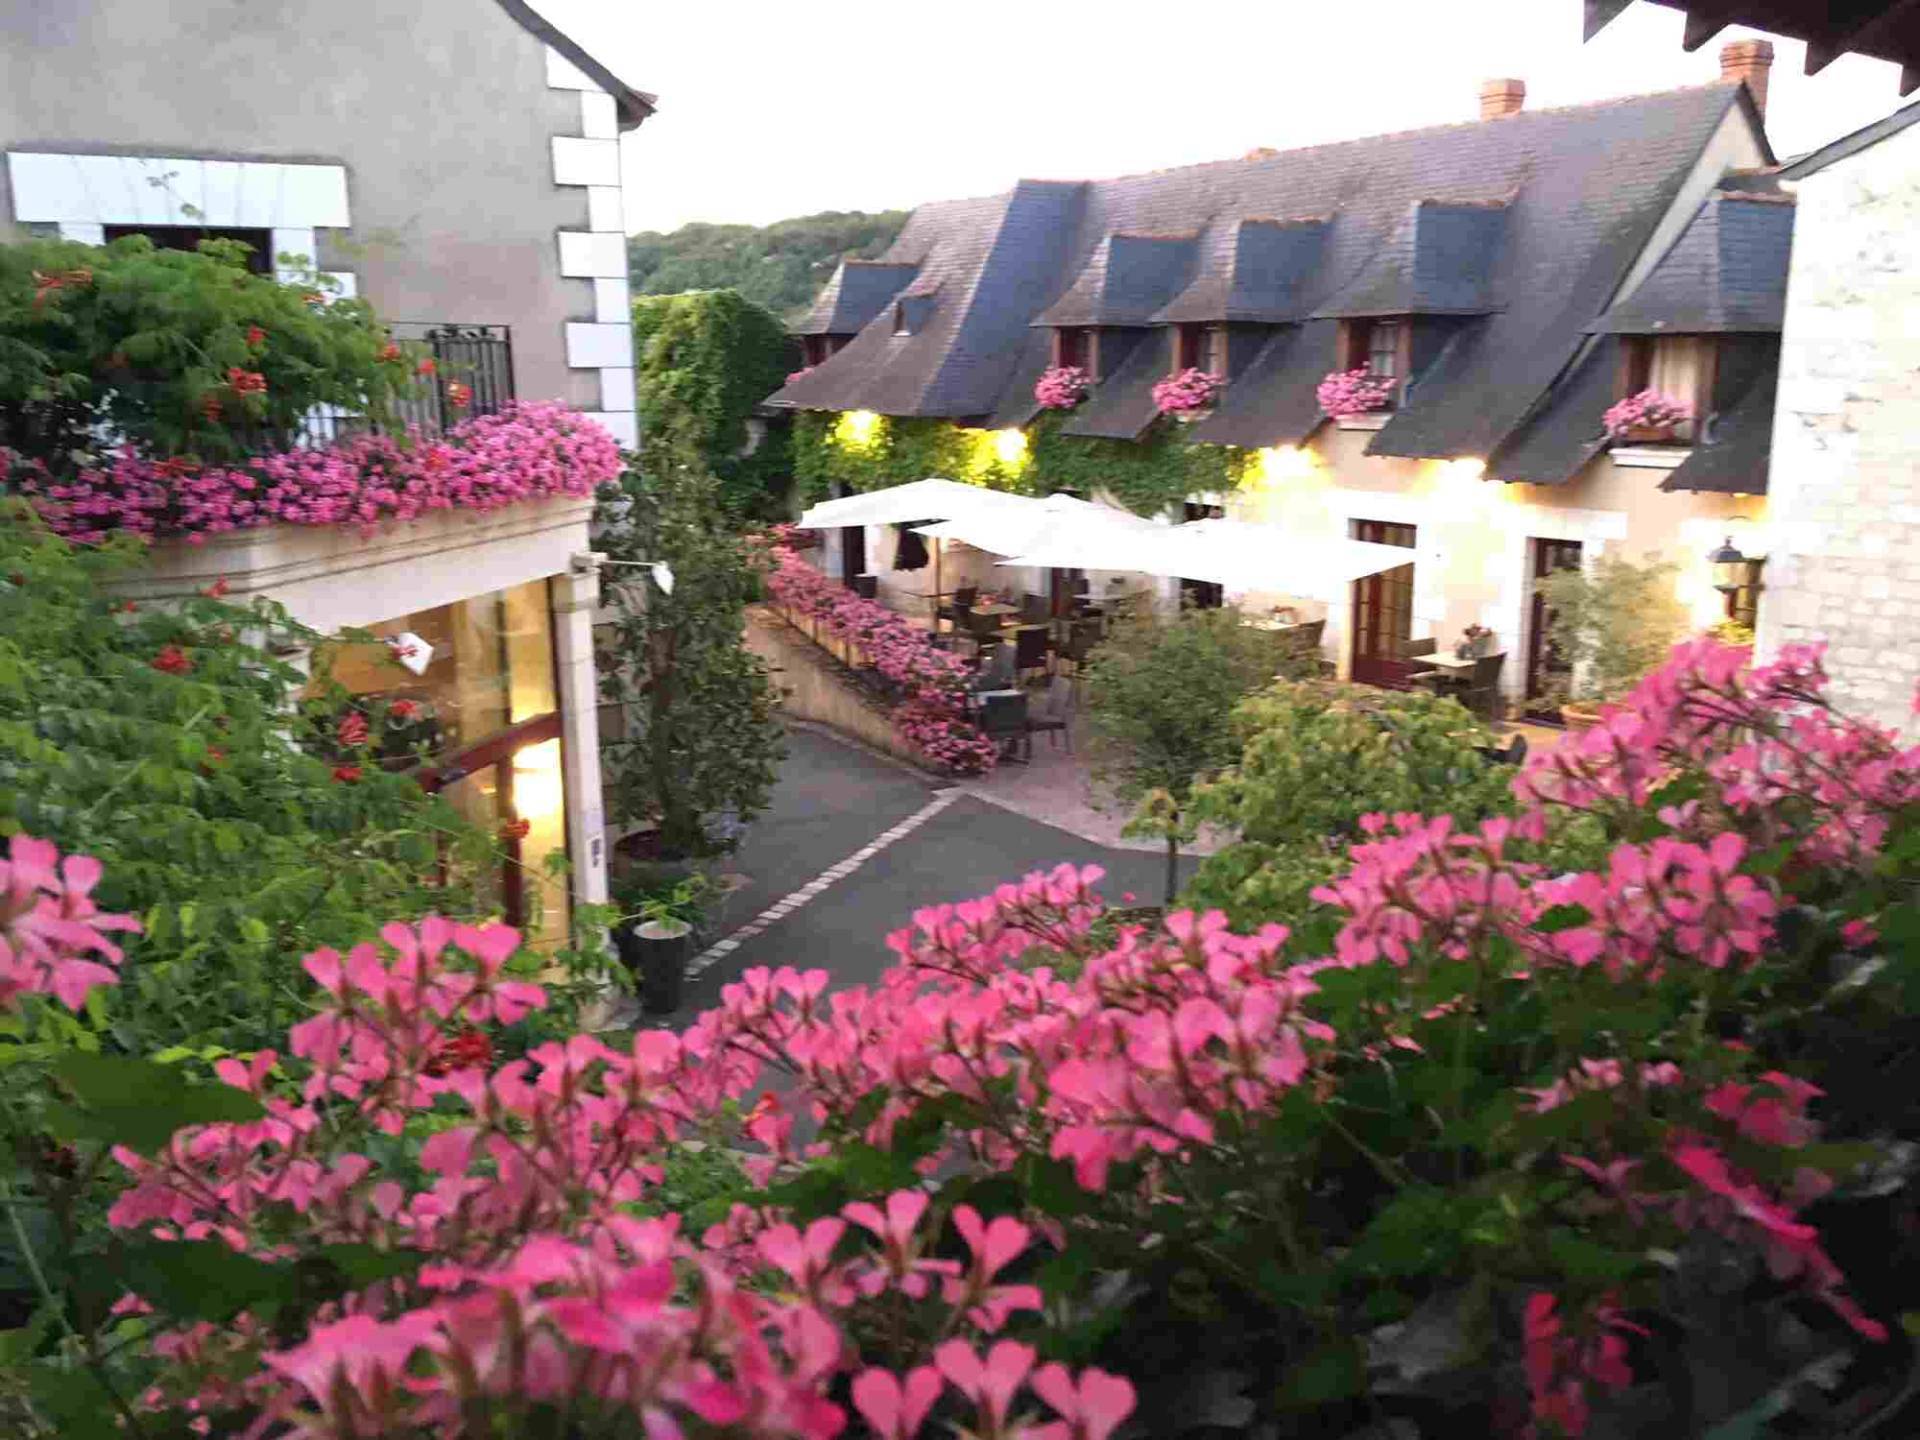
column 900, row 326
column 818, row 349
column 1380, row 345
column 1200, row 347
column 1679, row 367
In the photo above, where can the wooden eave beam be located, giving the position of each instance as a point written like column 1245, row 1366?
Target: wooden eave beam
column 1600, row 14
column 1863, row 35
column 1703, row 23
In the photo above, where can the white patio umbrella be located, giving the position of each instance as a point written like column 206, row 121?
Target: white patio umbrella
column 1020, row 528
column 1241, row 556
column 931, row 499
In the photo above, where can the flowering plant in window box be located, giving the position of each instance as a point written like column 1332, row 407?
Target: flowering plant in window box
column 800, row 374
column 1648, row 417
column 1354, row 392
column 1187, row 395
column 1062, row 387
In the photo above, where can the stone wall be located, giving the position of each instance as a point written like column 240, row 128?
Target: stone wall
column 1844, row 565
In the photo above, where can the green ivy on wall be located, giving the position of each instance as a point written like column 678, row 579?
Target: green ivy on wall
column 862, row 451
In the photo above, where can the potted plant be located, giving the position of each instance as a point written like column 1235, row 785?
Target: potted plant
column 1189, row 395
column 1474, row 642
column 1647, row 418
column 655, row 938
column 1062, row 387
column 1354, row 392
column 1610, row 623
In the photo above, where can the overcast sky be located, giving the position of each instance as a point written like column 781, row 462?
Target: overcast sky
column 771, row 109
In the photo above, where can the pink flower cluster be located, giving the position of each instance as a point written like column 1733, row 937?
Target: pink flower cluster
column 525, row 452
column 1061, row 387
column 540, row 1286
column 1648, row 410
column 801, row 373
column 50, row 930
column 930, row 682
column 1354, row 392
column 1187, row 393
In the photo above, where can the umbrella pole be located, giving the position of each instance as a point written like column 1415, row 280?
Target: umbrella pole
column 936, row 584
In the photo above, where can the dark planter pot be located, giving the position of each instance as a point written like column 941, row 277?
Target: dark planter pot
column 867, row 587
column 657, row 953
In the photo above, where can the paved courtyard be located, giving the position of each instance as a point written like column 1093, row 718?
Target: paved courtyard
column 854, row 843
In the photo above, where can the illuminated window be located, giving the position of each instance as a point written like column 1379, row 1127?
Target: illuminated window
column 1678, row 366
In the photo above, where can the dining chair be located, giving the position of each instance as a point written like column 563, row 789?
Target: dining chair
column 1055, row 713
column 1003, row 718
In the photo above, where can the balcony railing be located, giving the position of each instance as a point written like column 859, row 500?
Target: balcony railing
column 479, row 357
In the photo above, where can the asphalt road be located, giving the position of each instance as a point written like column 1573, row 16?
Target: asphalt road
column 832, row 800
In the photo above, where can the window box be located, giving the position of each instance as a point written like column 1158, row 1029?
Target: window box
column 1373, row 420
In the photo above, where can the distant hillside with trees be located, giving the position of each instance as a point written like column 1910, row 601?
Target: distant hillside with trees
column 780, row 266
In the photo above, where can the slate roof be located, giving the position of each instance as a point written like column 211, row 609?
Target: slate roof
column 1257, row 270
column 1440, row 261
column 858, row 291
column 1726, row 274
column 1526, row 223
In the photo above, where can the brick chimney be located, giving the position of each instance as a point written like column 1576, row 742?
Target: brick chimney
column 1502, row 97
column 1748, row 60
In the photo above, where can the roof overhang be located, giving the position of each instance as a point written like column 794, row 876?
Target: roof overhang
column 1889, row 30
column 632, row 105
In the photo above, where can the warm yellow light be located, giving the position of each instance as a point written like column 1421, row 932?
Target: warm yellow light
column 858, row 427
column 1285, row 462
column 1469, row 468
column 1010, row 446
column 539, row 791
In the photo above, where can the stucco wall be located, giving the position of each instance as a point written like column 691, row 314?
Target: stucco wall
column 1845, row 560
column 1472, row 560
column 440, row 111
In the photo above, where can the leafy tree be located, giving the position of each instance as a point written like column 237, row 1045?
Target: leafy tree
column 1160, row 695
column 1613, row 621
column 1316, row 757
column 781, row 266
column 701, row 743
column 707, row 358
column 234, row 818
column 176, row 352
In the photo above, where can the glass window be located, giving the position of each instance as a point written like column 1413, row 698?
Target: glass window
column 489, row 664
column 1383, row 349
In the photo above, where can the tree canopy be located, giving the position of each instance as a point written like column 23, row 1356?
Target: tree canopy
column 781, row 266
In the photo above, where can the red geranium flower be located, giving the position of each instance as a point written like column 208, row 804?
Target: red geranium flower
column 346, row 774
column 468, row 1049
column 246, row 382
column 516, row 829
column 353, row 728
column 172, row 659
column 255, row 335
column 389, row 351
column 426, row 366
column 403, row 710
column 459, row 396
column 210, row 407
column 217, row 589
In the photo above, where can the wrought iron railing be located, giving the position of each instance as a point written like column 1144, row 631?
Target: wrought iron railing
column 479, row 357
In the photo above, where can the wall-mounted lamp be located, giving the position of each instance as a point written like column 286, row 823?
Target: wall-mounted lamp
column 1736, row 575
column 588, row 561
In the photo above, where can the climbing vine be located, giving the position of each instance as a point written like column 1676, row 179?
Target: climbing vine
column 706, row 358
column 870, row 452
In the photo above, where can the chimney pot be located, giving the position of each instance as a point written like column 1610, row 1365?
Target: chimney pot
column 1750, row 61
column 1500, row 98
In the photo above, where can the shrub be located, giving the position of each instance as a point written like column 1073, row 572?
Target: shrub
column 1612, row 622
column 175, row 353
column 1159, row 697
column 1316, row 759
column 700, row 745
column 1515, row 1148
column 180, row 746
